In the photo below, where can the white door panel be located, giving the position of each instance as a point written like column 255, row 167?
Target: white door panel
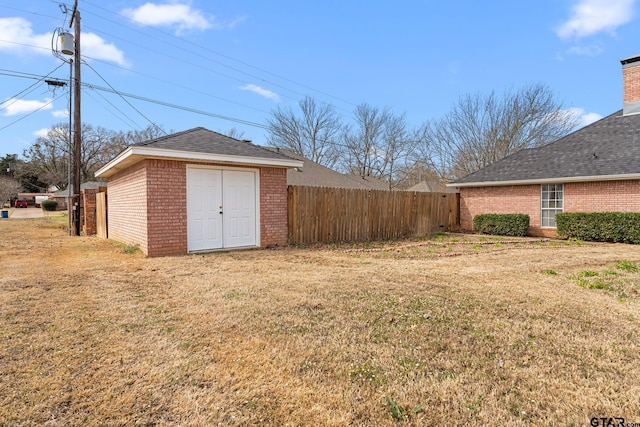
column 239, row 198
column 204, row 198
column 221, row 209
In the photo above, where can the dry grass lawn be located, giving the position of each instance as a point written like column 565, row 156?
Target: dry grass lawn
column 455, row 329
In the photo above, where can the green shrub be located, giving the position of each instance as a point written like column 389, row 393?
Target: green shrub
column 49, row 205
column 618, row 227
column 502, row 224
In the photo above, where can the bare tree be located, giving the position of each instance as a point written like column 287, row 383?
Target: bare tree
column 149, row 133
column 480, row 130
column 365, row 155
column 398, row 145
column 48, row 157
column 98, row 147
column 410, row 174
column 118, row 141
column 9, row 188
column 313, row 133
column 235, row 133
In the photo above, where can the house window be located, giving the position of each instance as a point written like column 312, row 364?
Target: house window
column 552, row 203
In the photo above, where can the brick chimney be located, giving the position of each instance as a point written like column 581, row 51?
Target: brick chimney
column 631, row 85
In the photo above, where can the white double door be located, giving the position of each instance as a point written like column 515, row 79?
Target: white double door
column 221, row 208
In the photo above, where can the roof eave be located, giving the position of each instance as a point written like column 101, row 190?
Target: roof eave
column 135, row 154
column 555, row 180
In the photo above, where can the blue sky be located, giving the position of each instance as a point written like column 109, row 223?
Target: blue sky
column 231, row 63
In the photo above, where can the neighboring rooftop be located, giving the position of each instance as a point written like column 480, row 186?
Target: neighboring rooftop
column 89, row 185
column 313, row 174
column 431, row 186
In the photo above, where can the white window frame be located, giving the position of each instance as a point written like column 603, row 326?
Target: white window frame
column 551, row 202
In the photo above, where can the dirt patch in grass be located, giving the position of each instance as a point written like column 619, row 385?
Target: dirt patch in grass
column 454, row 329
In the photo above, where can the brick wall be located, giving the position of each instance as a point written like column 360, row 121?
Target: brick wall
column 631, row 83
column 603, row 196
column 508, row 199
column 127, row 207
column 167, row 207
column 273, row 207
column 148, row 207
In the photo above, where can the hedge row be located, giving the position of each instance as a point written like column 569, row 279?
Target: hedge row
column 620, row 227
column 49, row 205
column 502, row 224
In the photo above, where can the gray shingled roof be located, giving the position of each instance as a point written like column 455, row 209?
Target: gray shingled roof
column 200, row 145
column 608, row 147
column 83, row 186
column 431, row 186
column 201, row 140
column 370, row 182
column 313, row 174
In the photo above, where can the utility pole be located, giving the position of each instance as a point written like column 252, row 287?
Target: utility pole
column 77, row 124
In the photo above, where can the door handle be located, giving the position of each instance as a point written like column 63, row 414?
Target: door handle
column 220, row 207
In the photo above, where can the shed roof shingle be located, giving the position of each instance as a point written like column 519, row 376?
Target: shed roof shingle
column 202, row 140
column 200, row 145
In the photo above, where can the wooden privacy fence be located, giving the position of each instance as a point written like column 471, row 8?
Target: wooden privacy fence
column 318, row 214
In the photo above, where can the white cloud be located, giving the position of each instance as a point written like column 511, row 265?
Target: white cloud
column 14, row 106
column 591, row 50
column 58, row 131
column 261, row 91
column 589, row 17
column 18, row 38
column 96, row 47
column 41, row 133
column 60, row 114
column 584, row 118
column 178, row 15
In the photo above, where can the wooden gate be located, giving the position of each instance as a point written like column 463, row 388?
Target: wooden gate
column 101, row 215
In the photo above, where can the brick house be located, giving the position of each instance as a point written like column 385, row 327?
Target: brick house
column 197, row 190
column 595, row 169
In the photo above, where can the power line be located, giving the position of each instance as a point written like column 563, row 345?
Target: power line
column 29, row 89
column 218, row 54
column 195, row 64
column 159, row 79
column 123, row 117
column 25, row 45
column 146, row 99
column 176, row 85
column 125, row 100
column 32, row 112
column 178, row 107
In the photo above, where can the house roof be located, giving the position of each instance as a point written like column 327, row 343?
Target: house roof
column 312, row 174
column 198, row 144
column 370, row 182
column 431, row 186
column 608, row 149
column 84, row 186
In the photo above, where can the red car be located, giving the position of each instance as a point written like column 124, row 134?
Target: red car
column 21, row 203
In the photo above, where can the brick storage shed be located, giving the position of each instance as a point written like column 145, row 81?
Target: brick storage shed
column 197, row 190
column 594, row 169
